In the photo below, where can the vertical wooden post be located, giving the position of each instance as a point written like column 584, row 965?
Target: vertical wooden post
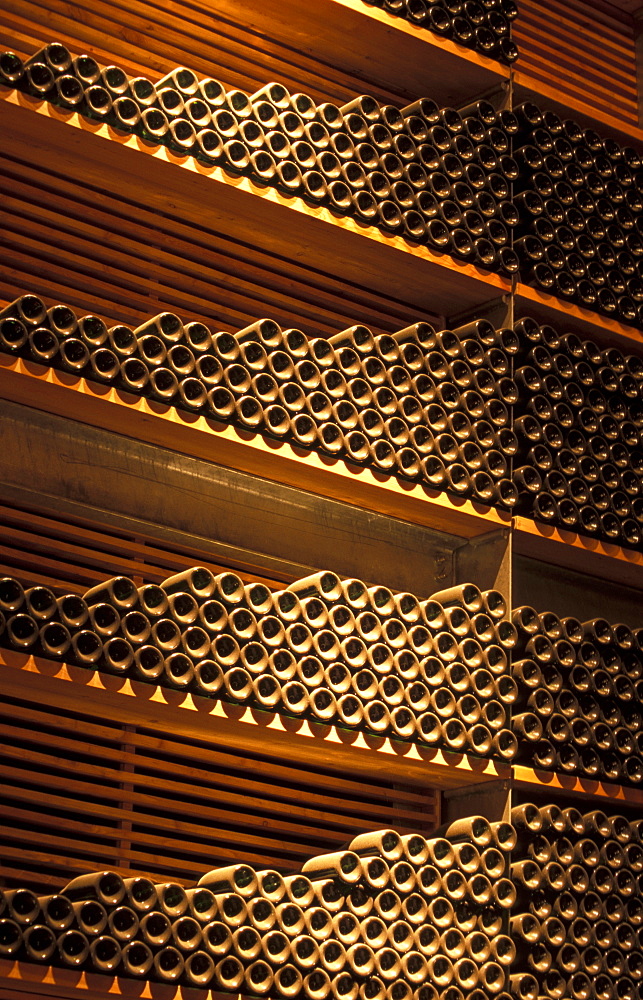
column 125, row 825
column 638, row 38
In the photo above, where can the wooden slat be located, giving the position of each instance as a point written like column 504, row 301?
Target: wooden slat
column 155, row 562
column 63, row 801
column 583, row 50
column 64, row 763
column 333, row 49
column 529, row 780
column 82, row 556
column 272, row 737
column 243, row 281
column 206, row 783
column 583, row 553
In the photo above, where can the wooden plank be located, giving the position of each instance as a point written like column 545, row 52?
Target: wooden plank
column 581, row 56
column 50, row 859
column 246, row 282
column 80, row 556
column 30, row 576
column 238, row 296
column 14, row 839
column 127, row 38
column 578, row 22
column 212, row 722
column 334, row 48
column 28, row 979
column 527, row 779
column 162, row 560
column 227, row 846
column 228, row 515
column 84, row 807
column 100, row 406
column 614, row 63
column 95, row 778
column 552, row 94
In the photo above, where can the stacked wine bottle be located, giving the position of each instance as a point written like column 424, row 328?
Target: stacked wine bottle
column 580, row 689
column 579, row 424
column 581, row 212
column 390, row 918
column 484, row 26
column 579, row 914
column 431, row 407
column 524, row 418
column 425, row 172
column 335, row 651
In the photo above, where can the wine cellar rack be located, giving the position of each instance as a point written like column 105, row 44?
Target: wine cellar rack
column 107, row 771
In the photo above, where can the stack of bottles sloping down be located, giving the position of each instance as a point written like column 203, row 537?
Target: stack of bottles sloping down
column 330, row 650
column 391, row 917
column 548, row 906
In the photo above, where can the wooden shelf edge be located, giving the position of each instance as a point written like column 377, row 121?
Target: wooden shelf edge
column 590, row 324
column 222, row 444
column 542, row 781
column 44, row 980
column 209, row 196
column 349, row 751
column 530, row 87
column 581, row 553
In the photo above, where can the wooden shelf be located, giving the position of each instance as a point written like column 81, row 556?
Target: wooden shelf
column 332, row 49
column 238, row 726
column 527, row 88
column 582, row 553
column 526, row 778
column 144, row 420
column 568, row 317
column 214, row 200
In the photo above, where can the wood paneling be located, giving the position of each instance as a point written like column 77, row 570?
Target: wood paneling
column 332, row 49
column 579, row 552
column 136, row 417
column 80, row 795
column 585, row 51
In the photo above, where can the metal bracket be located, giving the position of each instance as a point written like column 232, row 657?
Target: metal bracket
column 499, row 96
column 498, row 311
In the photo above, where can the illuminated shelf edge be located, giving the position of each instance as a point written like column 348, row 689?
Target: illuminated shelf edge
column 108, row 695
column 544, row 781
column 570, row 316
